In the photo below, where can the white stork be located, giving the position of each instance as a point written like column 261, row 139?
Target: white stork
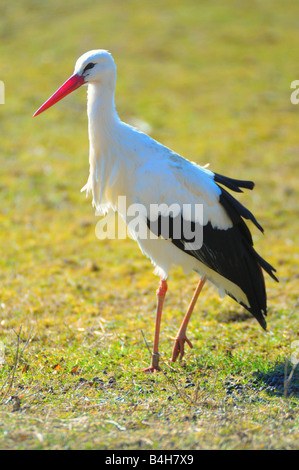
column 126, row 162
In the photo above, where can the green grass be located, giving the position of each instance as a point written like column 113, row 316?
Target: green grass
column 213, row 81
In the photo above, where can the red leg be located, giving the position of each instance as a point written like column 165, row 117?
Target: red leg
column 161, row 292
column 181, row 338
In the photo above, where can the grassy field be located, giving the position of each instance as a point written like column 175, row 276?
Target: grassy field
column 212, row 79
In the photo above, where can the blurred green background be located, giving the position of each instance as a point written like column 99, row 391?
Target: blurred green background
column 212, row 81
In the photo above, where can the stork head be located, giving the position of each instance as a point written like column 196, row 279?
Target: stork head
column 93, row 67
column 96, row 67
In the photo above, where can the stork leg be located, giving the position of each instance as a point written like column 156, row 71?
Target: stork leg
column 161, row 292
column 181, row 338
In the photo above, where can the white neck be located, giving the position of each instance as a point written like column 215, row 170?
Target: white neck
column 102, row 115
column 103, row 128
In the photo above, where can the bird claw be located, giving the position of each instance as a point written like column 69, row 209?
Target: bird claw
column 179, row 347
column 151, row 370
column 154, row 367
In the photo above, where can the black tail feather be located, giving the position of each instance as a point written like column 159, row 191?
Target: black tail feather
column 232, row 205
column 253, row 262
column 232, row 183
column 264, row 264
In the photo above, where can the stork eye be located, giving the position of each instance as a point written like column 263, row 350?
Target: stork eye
column 88, row 66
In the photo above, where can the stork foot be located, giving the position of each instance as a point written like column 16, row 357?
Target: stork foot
column 151, row 370
column 154, row 367
column 179, row 347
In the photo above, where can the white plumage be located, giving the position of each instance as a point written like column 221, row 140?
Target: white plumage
column 126, row 162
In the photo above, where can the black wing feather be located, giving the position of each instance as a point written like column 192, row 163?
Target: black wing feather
column 229, row 252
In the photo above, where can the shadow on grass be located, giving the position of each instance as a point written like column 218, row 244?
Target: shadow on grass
column 275, row 382
column 234, row 316
column 279, row 379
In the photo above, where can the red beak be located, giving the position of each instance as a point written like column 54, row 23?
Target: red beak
column 74, row 82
